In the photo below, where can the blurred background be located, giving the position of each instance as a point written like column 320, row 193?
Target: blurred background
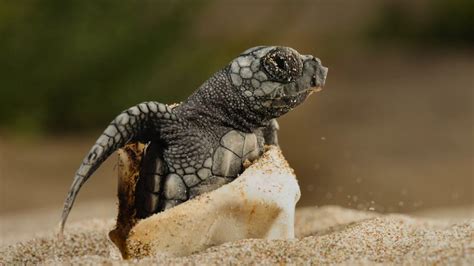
column 391, row 132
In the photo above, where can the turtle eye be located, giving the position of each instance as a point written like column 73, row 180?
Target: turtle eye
column 282, row 65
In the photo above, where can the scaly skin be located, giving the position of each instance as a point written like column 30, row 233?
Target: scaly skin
column 202, row 143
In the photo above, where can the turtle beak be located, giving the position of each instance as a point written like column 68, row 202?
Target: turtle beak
column 319, row 78
column 319, row 72
column 314, row 73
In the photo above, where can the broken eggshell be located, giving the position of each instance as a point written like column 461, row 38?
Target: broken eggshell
column 260, row 203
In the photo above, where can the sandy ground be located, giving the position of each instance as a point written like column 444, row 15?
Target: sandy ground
column 324, row 235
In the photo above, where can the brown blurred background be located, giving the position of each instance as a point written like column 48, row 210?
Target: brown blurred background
column 392, row 131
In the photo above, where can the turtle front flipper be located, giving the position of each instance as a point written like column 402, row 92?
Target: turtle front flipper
column 139, row 123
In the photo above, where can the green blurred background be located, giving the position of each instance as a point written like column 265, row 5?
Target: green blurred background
column 392, row 131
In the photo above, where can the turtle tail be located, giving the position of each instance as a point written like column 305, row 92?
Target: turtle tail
column 140, row 122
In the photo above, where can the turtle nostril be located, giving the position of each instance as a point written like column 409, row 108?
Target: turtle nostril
column 307, row 57
column 317, row 60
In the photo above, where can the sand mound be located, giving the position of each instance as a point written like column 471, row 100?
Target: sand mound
column 325, row 235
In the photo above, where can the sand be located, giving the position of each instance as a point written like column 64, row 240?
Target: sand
column 325, row 235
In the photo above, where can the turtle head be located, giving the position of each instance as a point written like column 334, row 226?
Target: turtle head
column 275, row 79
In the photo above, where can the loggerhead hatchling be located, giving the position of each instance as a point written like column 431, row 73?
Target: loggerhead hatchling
column 202, row 143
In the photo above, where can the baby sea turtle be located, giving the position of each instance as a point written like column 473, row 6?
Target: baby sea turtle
column 202, row 143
